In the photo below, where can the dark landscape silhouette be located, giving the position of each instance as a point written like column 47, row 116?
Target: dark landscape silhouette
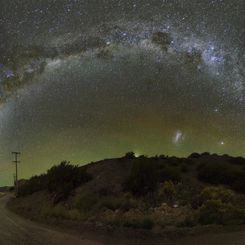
column 161, row 193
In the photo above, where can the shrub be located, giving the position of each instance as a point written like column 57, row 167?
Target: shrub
column 170, row 173
column 239, row 182
column 217, row 212
column 168, row 191
column 237, row 160
column 189, row 221
column 63, row 178
column 211, row 212
column 217, row 193
column 184, row 168
column 162, row 157
column 57, row 211
column 110, row 202
column 34, row 184
column 143, row 223
column 129, row 155
column 205, row 154
column 222, row 173
column 194, row 155
column 60, row 212
column 60, row 180
column 114, row 203
column 86, row 201
column 143, row 178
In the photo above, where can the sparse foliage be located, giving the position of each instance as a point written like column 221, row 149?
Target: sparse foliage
column 143, row 178
column 60, row 180
column 63, row 178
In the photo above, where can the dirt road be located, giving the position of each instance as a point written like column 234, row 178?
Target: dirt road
column 15, row 230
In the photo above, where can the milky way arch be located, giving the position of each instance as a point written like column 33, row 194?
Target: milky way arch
column 82, row 80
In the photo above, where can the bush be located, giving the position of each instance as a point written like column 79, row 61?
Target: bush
column 129, row 155
column 217, row 212
column 57, row 211
column 63, row 178
column 144, row 223
column 222, row 173
column 184, row 168
column 86, row 201
column 60, row 180
column 220, row 205
column 216, row 173
column 239, row 182
column 60, row 212
column 170, row 173
column 195, row 155
column 168, row 191
column 187, row 222
column 34, row 184
column 237, row 160
column 211, row 212
column 114, row 203
column 143, row 178
column 217, row 193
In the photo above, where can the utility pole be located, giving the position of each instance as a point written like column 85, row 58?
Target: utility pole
column 14, row 179
column 16, row 161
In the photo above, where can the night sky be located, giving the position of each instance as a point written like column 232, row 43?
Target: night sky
column 84, row 80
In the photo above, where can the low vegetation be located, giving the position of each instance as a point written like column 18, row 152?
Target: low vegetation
column 60, row 181
column 223, row 173
column 142, row 192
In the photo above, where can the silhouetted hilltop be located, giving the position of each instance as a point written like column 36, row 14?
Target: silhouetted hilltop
column 111, row 173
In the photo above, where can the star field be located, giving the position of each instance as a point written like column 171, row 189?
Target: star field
column 85, row 80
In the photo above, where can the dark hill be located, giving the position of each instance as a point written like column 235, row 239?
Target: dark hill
column 140, row 192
